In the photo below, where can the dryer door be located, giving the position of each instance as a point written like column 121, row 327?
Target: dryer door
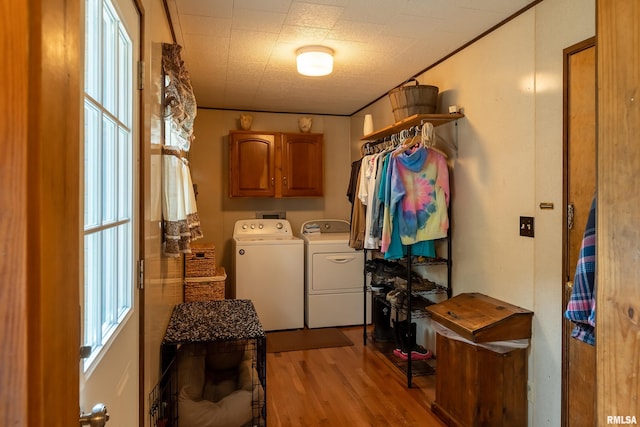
column 340, row 271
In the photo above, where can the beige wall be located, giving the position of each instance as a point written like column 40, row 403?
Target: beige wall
column 209, row 169
column 510, row 160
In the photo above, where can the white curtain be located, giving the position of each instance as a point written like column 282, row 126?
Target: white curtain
column 180, row 214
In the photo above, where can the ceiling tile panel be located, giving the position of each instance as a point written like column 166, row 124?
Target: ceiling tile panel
column 241, row 53
column 251, row 46
column 300, row 36
column 214, row 8
column 205, row 25
column 354, row 31
column 313, row 15
column 279, row 6
column 257, row 20
column 382, row 12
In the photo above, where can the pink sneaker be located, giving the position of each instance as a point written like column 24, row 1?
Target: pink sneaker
column 417, row 354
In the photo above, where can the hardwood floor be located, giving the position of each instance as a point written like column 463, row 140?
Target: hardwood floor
column 345, row 386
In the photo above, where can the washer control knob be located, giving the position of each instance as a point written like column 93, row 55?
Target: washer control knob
column 245, row 226
column 261, row 226
column 279, row 226
column 253, row 226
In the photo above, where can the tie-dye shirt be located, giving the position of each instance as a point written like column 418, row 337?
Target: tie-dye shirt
column 417, row 197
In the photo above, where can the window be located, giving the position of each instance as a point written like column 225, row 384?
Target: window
column 108, row 175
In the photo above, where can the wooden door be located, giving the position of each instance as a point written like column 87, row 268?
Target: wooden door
column 40, row 219
column 302, row 165
column 579, row 359
column 252, row 164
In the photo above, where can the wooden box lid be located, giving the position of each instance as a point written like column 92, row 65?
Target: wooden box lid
column 480, row 318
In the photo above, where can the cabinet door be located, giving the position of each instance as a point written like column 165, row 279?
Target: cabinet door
column 302, row 165
column 251, row 164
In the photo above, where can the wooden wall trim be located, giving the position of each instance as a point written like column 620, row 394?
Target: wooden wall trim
column 618, row 214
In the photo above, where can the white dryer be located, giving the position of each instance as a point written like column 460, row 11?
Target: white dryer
column 334, row 274
column 269, row 271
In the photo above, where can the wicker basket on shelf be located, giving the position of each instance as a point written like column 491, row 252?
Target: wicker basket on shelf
column 409, row 100
column 201, row 262
column 205, row 288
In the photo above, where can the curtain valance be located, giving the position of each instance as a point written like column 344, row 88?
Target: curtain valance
column 179, row 100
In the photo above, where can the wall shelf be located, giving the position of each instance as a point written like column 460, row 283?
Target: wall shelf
column 435, row 119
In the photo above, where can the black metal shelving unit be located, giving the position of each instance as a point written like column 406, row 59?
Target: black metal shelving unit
column 379, row 137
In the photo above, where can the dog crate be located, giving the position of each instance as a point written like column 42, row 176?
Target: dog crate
column 163, row 398
column 219, row 348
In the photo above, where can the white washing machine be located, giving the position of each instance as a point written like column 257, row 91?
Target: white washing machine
column 269, row 271
column 334, row 274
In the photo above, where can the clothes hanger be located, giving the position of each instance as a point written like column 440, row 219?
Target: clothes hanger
column 408, row 142
column 430, row 139
column 427, row 134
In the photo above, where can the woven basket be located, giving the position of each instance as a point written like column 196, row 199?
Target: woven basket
column 205, row 288
column 201, row 262
column 407, row 101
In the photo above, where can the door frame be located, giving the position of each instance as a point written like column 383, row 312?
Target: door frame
column 142, row 179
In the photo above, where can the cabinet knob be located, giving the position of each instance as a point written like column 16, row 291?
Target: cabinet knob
column 273, row 181
column 284, row 178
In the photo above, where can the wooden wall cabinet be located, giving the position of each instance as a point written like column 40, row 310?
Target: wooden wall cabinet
column 476, row 386
column 275, row 164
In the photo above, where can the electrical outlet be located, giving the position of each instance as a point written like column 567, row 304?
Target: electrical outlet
column 526, row 226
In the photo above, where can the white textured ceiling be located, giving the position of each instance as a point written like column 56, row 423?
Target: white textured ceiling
column 241, row 53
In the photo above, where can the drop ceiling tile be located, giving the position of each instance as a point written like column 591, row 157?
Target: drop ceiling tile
column 313, row 15
column 280, row 6
column 354, row 31
column 341, row 3
column 503, row 7
column 301, row 36
column 251, row 46
column 205, row 25
column 374, row 11
column 196, row 45
column 215, row 8
column 252, row 20
column 413, row 27
column 198, row 64
column 434, row 9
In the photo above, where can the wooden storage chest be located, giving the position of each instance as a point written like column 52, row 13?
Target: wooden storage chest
column 476, row 385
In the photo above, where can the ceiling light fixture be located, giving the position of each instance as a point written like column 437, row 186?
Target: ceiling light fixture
column 314, row 60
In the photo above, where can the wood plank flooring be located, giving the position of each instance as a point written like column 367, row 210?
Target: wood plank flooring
column 345, row 386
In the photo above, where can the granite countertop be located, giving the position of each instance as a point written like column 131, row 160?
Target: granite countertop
column 211, row 321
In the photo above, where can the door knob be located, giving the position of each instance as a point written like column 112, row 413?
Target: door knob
column 97, row 418
column 568, row 288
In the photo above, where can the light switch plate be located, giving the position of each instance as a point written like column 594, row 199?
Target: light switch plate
column 526, row 226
